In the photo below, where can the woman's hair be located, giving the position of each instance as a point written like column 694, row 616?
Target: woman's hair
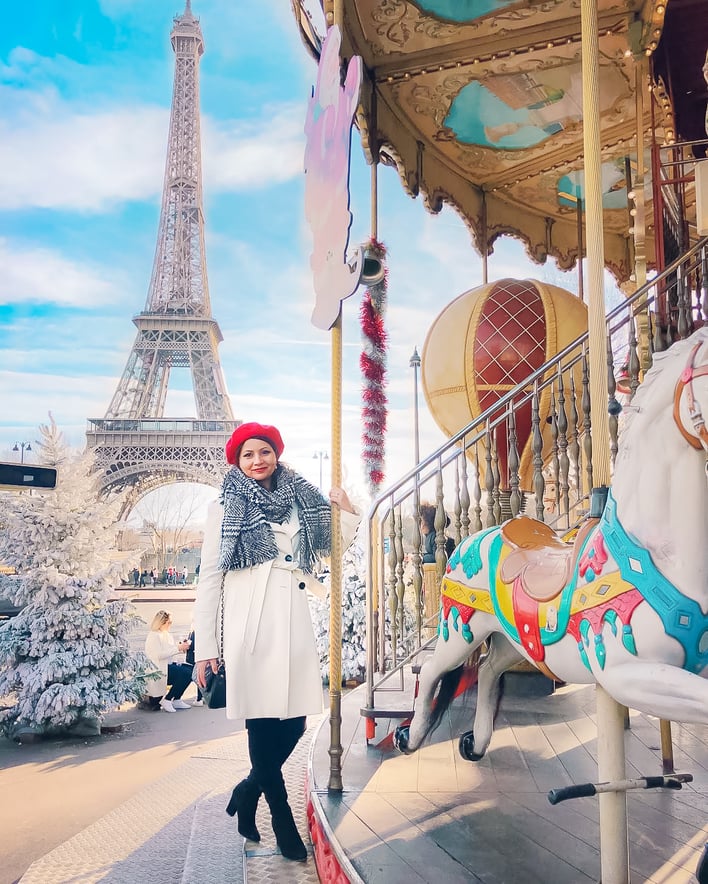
column 159, row 620
column 427, row 515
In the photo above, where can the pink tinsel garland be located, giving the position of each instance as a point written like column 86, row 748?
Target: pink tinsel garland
column 373, row 368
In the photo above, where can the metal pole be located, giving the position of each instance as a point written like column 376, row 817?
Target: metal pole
column 335, row 594
column 614, row 847
column 579, row 219
column 415, row 365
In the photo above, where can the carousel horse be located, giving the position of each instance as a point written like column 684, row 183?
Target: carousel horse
column 625, row 605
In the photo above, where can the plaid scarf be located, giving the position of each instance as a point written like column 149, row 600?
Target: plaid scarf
column 247, row 538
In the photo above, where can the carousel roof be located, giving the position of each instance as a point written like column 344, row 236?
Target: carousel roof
column 478, row 104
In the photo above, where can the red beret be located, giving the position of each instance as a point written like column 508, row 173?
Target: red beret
column 253, row 430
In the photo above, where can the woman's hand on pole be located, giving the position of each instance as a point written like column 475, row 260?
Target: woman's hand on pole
column 339, row 497
column 202, row 668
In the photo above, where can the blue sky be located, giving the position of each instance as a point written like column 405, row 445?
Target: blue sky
column 85, row 90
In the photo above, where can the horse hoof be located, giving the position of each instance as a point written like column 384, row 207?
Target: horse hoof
column 400, row 738
column 466, row 746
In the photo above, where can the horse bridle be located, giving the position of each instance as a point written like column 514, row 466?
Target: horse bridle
column 685, row 382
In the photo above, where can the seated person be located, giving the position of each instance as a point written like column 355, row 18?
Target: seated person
column 427, row 529
column 162, row 649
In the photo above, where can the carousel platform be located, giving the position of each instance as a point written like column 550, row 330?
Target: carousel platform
column 433, row 816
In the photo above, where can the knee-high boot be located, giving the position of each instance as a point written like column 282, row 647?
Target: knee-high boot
column 244, row 802
column 286, row 834
column 270, row 743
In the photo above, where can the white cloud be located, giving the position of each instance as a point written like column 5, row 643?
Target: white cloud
column 41, row 275
column 63, row 156
column 246, row 155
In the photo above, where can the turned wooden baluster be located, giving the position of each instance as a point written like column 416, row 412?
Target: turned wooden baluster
column 587, row 424
column 477, row 493
column 539, row 483
column 613, row 405
column 464, row 497
column 400, row 584
column 457, row 506
column 563, row 462
column 683, row 321
column 417, row 563
column 574, row 440
column 392, row 595
column 489, row 477
column 440, row 526
column 513, row 463
column 497, row 481
column 555, row 462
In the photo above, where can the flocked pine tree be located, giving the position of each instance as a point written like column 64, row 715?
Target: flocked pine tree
column 65, row 659
column 353, row 617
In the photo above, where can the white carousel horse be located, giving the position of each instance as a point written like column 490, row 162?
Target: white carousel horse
column 625, row 605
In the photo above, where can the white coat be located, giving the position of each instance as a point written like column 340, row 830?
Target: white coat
column 270, row 652
column 162, row 650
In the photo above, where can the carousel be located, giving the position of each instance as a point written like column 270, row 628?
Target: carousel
column 573, row 482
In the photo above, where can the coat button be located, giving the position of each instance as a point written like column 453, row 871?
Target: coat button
column 302, row 584
column 288, row 558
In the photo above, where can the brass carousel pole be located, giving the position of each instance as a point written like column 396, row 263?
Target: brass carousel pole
column 335, row 593
column 614, row 846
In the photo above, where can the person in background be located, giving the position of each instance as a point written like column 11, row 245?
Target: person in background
column 189, row 658
column 263, row 538
column 161, row 648
column 427, row 529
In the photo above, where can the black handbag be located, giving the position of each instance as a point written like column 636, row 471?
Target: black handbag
column 214, row 694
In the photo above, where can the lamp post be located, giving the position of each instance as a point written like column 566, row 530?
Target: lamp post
column 415, row 365
column 22, row 447
column 322, row 455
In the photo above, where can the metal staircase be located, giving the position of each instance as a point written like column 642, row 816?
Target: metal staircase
column 464, row 479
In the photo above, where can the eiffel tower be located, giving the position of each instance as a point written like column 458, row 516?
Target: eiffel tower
column 135, row 445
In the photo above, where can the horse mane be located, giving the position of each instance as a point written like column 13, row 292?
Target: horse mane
column 652, row 382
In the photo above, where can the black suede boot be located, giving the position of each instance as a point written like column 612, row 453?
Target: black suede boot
column 244, row 802
column 286, row 834
column 270, row 742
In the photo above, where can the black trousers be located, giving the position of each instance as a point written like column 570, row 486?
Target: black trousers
column 270, row 743
column 179, row 676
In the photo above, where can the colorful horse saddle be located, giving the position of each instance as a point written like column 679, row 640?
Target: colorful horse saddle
column 542, row 562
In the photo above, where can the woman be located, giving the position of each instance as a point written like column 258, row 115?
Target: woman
column 161, row 648
column 265, row 536
column 427, row 528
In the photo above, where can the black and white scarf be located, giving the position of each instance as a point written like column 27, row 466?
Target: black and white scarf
column 247, row 538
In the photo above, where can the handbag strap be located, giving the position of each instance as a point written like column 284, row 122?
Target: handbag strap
column 221, row 603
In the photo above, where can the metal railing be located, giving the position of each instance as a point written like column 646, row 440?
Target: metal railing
column 480, row 477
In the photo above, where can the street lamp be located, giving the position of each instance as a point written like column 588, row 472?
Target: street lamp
column 415, row 365
column 22, row 447
column 322, row 455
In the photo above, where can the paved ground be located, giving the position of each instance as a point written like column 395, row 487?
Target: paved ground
column 51, row 790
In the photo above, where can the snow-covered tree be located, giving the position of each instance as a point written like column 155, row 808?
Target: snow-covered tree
column 65, row 659
column 353, row 617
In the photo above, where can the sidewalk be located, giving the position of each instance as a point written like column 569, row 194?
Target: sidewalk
column 51, row 790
